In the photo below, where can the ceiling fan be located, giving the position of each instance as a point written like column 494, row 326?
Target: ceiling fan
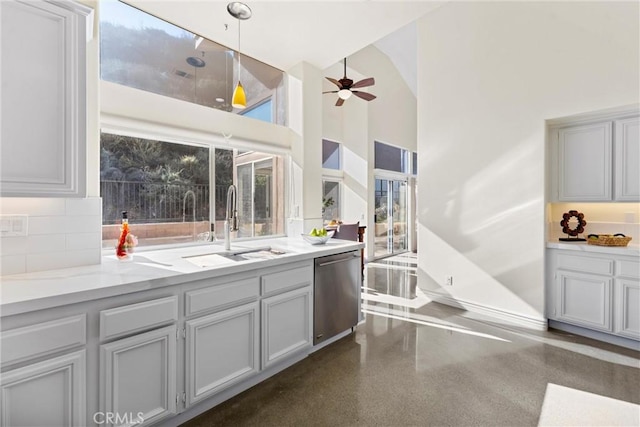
column 345, row 85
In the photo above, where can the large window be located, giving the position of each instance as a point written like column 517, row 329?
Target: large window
column 260, row 194
column 331, row 155
column 144, row 52
column 331, row 184
column 391, row 158
column 330, row 200
column 174, row 192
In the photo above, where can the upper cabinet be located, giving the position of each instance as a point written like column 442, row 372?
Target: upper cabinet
column 596, row 161
column 43, row 104
column 627, row 155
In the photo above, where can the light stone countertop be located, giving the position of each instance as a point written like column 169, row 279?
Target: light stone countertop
column 632, row 249
column 27, row 292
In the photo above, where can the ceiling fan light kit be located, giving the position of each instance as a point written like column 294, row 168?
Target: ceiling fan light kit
column 344, row 94
column 345, row 86
column 241, row 12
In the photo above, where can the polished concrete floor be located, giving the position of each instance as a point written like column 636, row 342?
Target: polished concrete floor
column 417, row 363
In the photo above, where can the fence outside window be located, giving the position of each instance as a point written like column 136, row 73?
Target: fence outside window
column 148, row 202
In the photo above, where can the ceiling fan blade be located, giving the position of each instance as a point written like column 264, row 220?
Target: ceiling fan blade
column 364, row 83
column 364, row 95
column 331, row 91
column 339, row 102
column 334, row 81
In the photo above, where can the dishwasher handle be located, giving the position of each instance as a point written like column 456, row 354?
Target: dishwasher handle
column 338, row 260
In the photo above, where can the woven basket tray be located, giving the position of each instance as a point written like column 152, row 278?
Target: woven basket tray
column 608, row 240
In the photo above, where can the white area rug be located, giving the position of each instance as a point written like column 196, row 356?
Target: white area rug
column 563, row 406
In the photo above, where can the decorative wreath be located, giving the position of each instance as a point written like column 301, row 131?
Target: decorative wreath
column 579, row 227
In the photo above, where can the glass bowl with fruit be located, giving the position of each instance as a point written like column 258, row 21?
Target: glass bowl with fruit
column 318, row 236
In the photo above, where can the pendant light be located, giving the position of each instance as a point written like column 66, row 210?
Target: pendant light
column 241, row 12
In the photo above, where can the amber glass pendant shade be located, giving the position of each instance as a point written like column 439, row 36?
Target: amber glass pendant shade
column 239, row 98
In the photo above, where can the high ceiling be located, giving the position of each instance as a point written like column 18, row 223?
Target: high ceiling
column 285, row 33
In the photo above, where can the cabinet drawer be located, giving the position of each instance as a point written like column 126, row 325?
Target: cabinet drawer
column 222, row 296
column 120, row 321
column 286, row 280
column 585, row 264
column 43, row 338
column 628, row 269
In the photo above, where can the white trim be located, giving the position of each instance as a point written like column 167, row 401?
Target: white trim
column 539, row 324
column 332, row 174
column 391, row 175
column 597, row 116
column 139, row 128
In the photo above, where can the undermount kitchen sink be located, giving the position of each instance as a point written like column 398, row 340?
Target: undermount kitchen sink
column 215, row 259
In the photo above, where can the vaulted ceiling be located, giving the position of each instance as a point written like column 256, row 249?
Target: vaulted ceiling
column 285, row 33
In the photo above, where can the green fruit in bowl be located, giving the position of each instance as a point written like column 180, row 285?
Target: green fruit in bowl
column 323, row 232
column 314, row 232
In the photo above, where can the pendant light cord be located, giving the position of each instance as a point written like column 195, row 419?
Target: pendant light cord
column 239, row 49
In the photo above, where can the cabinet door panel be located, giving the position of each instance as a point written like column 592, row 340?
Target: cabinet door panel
column 138, row 376
column 584, row 299
column 222, row 349
column 627, row 160
column 49, row 393
column 627, row 293
column 584, row 156
column 286, row 325
column 43, row 107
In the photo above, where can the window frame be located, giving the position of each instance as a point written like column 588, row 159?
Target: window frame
column 340, row 156
column 405, row 158
column 339, row 181
column 136, row 128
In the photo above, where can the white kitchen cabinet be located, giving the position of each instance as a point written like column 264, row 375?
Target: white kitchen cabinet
column 596, row 160
column 221, row 350
column 595, row 291
column 627, row 159
column 584, row 299
column 286, row 325
column 48, row 393
column 138, row 377
column 627, row 307
column 584, row 162
column 43, row 105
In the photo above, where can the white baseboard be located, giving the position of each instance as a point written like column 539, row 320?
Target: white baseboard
column 538, row 324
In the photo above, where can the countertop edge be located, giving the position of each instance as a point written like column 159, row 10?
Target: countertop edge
column 12, row 303
column 630, row 250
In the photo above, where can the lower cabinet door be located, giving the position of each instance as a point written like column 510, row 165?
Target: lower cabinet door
column 222, row 349
column 286, row 325
column 627, row 297
column 49, row 393
column 138, row 378
column 584, row 300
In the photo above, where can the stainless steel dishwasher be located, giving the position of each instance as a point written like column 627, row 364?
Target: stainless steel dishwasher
column 336, row 300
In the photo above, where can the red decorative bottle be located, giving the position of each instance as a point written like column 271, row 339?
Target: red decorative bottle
column 121, row 248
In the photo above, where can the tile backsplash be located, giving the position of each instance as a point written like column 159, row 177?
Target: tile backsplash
column 61, row 233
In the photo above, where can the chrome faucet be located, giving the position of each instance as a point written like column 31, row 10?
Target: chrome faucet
column 184, row 205
column 184, row 208
column 231, row 218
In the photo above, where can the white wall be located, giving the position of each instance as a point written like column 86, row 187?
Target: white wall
column 489, row 74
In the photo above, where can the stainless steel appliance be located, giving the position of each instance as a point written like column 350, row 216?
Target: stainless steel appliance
column 336, row 300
